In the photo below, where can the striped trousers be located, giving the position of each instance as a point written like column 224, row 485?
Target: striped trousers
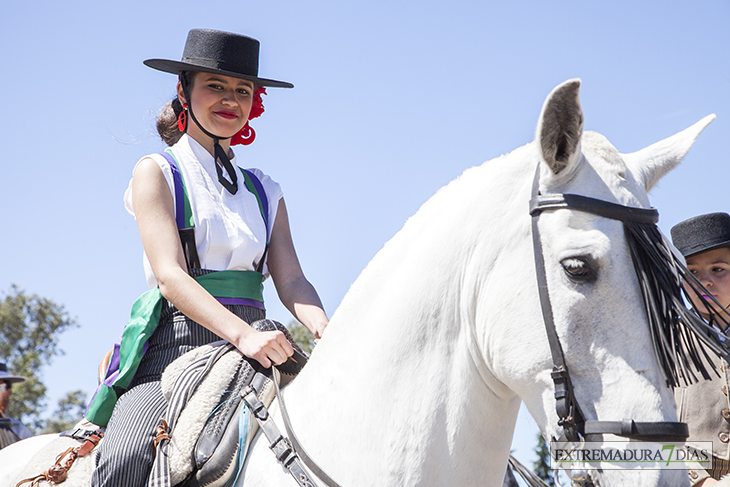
column 126, row 455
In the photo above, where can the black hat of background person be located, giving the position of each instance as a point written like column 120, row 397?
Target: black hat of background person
column 702, row 233
column 214, row 51
column 6, row 376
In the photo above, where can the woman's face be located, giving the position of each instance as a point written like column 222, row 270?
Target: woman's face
column 712, row 269
column 221, row 103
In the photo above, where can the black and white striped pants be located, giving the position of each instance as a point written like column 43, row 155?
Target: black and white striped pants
column 126, row 455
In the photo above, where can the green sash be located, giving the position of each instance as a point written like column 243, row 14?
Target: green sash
column 142, row 323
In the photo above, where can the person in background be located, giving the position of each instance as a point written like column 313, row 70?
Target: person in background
column 11, row 429
column 704, row 241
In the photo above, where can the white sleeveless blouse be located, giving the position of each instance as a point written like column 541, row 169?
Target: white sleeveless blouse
column 229, row 229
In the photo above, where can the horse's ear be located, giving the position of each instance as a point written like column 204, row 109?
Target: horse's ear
column 652, row 163
column 560, row 126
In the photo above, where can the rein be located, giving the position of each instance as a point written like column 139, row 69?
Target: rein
column 289, row 452
column 571, row 418
column 296, row 445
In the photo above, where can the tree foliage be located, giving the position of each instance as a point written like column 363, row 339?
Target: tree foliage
column 29, row 329
column 70, row 411
column 301, row 335
column 541, row 467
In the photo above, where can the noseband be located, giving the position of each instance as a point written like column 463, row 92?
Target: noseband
column 571, row 419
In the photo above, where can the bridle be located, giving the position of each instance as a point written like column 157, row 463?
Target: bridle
column 571, row 419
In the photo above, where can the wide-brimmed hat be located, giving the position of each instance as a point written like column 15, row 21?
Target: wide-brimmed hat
column 214, row 51
column 6, row 376
column 702, row 233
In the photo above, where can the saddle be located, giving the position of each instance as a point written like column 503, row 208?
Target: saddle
column 208, row 427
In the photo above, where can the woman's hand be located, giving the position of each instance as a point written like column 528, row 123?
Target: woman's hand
column 266, row 347
column 317, row 326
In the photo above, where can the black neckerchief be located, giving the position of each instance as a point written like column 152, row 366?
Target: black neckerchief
column 219, row 155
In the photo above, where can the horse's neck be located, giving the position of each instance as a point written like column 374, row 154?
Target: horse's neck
column 398, row 376
column 412, row 403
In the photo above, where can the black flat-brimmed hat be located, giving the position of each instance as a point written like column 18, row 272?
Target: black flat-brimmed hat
column 6, row 376
column 214, row 51
column 702, row 233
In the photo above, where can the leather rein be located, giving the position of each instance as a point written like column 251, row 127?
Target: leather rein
column 297, row 447
column 571, row 418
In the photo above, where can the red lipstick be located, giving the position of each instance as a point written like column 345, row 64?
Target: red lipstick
column 226, row 114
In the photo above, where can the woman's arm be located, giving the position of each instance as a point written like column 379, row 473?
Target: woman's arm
column 295, row 292
column 155, row 214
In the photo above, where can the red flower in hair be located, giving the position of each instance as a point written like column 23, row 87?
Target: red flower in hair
column 246, row 135
column 258, row 104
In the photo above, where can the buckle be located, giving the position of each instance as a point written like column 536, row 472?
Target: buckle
column 257, row 407
column 283, row 451
column 81, row 434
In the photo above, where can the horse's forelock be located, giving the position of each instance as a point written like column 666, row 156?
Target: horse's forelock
column 607, row 153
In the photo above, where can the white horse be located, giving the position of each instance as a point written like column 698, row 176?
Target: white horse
column 420, row 375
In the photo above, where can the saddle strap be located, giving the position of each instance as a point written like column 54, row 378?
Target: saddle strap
column 279, row 444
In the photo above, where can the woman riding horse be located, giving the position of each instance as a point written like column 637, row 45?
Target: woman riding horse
column 211, row 234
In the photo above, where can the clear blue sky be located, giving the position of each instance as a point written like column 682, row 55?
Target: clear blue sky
column 392, row 100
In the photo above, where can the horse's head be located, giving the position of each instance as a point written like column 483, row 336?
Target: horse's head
column 593, row 287
column 449, row 317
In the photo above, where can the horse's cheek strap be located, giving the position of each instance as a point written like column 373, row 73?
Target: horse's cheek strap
column 566, row 406
column 571, row 418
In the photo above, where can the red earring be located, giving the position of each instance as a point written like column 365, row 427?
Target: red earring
column 247, row 135
column 182, row 119
column 244, row 136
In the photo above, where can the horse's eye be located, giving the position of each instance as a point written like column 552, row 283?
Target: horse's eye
column 577, row 269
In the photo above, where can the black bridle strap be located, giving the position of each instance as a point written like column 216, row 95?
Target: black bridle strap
column 566, row 406
column 570, row 416
column 666, row 430
column 586, row 204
